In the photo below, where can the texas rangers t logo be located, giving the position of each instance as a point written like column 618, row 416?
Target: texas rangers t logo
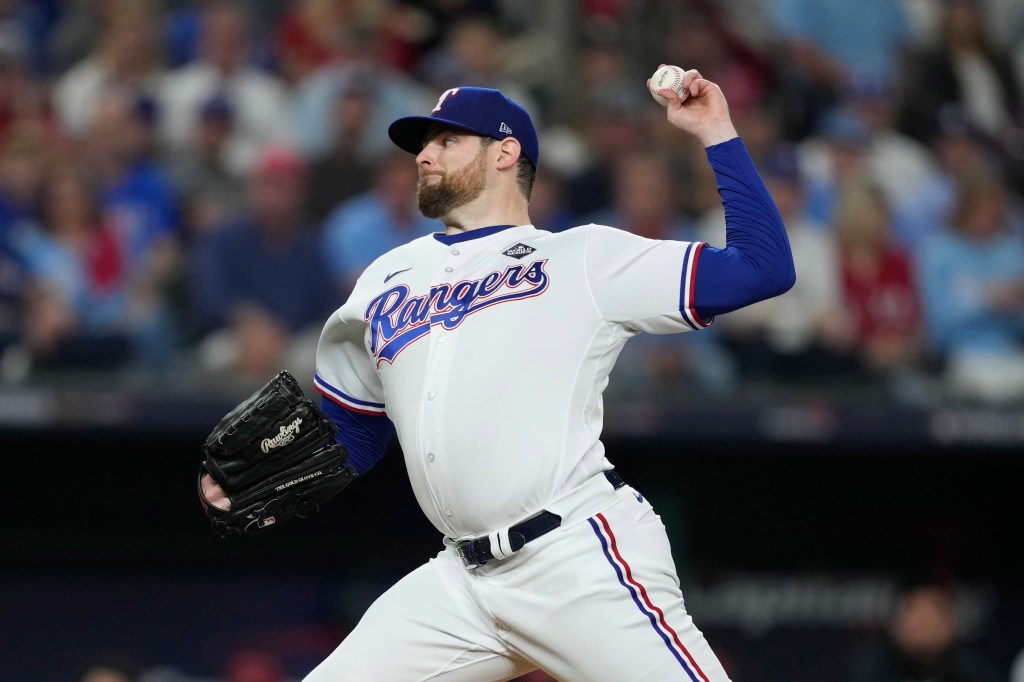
column 450, row 92
column 397, row 319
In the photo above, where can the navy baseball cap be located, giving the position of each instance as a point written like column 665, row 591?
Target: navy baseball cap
column 483, row 111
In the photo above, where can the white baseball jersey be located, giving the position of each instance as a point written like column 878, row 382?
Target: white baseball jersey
column 490, row 350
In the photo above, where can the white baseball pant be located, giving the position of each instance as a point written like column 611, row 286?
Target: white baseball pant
column 598, row 601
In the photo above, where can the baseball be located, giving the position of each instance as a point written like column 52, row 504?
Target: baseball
column 667, row 76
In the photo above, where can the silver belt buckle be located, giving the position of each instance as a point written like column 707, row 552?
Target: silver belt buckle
column 467, row 560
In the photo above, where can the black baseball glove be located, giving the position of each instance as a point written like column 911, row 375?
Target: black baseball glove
column 275, row 457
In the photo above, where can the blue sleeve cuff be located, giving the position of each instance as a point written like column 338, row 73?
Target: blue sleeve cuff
column 366, row 436
column 724, row 147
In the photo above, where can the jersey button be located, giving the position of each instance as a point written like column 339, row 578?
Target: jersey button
column 448, row 268
column 448, row 511
column 430, row 456
column 430, row 396
column 455, row 252
column 442, row 337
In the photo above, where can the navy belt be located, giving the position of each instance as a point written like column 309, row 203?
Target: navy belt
column 481, row 550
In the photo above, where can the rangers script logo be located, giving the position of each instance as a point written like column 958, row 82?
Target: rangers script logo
column 397, row 319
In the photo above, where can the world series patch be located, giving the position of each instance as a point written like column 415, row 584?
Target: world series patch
column 519, row 250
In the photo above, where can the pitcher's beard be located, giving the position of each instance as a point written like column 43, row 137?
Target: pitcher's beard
column 452, row 190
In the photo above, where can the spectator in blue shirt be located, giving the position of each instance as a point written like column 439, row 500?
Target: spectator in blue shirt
column 209, row 192
column 973, row 284
column 138, row 204
column 262, row 287
column 137, row 194
column 82, row 311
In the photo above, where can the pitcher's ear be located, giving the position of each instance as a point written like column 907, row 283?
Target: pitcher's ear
column 509, row 153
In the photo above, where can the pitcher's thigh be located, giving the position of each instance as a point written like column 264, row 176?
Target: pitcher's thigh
column 423, row 628
column 629, row 621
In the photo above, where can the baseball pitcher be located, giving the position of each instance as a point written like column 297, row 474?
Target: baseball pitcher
column 486, row 349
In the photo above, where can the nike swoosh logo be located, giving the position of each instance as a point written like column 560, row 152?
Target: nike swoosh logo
column 399, row 272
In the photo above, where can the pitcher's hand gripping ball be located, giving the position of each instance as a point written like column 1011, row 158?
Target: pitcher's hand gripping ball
column 667, row 77
column 275, row 457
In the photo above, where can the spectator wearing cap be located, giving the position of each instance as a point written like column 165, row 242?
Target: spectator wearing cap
column 805, row 333
column 210, row 193
column 834, row 157
column 261, row 287
column 138, row 202
column 258, row 98
column 898, row 163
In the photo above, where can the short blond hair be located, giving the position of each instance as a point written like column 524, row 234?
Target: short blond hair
column 852, row 211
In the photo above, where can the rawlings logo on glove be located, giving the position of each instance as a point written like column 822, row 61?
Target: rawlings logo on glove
column 286, row 435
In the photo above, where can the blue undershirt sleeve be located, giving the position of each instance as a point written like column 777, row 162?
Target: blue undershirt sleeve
column 756, row 262
column 366, row 436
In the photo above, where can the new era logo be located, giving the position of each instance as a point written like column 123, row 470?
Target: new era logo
column 518, row 251
column 503, row 128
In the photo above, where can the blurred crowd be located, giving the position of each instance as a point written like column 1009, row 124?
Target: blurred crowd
column 188, row 189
